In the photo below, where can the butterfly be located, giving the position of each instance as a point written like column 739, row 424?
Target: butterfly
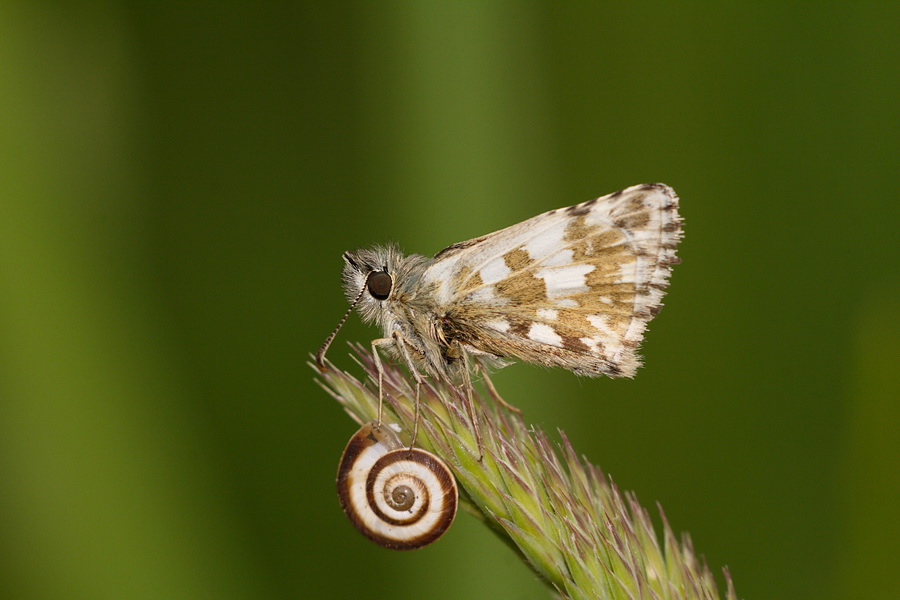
column 573, row 287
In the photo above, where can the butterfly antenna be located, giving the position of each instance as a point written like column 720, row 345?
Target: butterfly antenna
column 320, row 355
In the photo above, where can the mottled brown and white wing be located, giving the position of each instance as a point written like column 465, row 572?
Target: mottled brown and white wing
column 573, row 287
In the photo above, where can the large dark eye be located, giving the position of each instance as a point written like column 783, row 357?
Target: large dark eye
column 379, row 284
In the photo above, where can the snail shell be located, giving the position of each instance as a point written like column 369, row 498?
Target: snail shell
column 398, row 497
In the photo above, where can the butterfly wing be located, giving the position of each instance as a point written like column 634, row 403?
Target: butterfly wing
column 573, row 287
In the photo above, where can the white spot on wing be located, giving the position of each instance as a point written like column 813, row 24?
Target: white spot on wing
column 564, row 281
column 547, row 241
column 498, row 324
column 496, row 270
column 560, row 258
column 483, row 294
column 548, row 314
column 600, row 324
column 610, row 339
column 592, row 343
column 539, row 332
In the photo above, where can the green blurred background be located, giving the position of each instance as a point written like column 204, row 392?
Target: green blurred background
column 178, row 181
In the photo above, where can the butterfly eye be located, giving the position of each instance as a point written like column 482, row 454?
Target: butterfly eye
column 379, row 284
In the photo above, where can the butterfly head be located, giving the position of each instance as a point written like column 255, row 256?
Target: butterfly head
column 370, row 280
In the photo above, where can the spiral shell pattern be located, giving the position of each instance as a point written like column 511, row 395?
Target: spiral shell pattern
column 398, row 497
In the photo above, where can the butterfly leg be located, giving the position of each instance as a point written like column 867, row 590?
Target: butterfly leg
column 380, row 369
column 404, row 345
column 470, row 401
column 481, row 370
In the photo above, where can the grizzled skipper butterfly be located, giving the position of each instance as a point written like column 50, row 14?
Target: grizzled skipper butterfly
column 572, row 288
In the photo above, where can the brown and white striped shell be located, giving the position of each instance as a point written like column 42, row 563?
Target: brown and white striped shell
column 398, row 497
